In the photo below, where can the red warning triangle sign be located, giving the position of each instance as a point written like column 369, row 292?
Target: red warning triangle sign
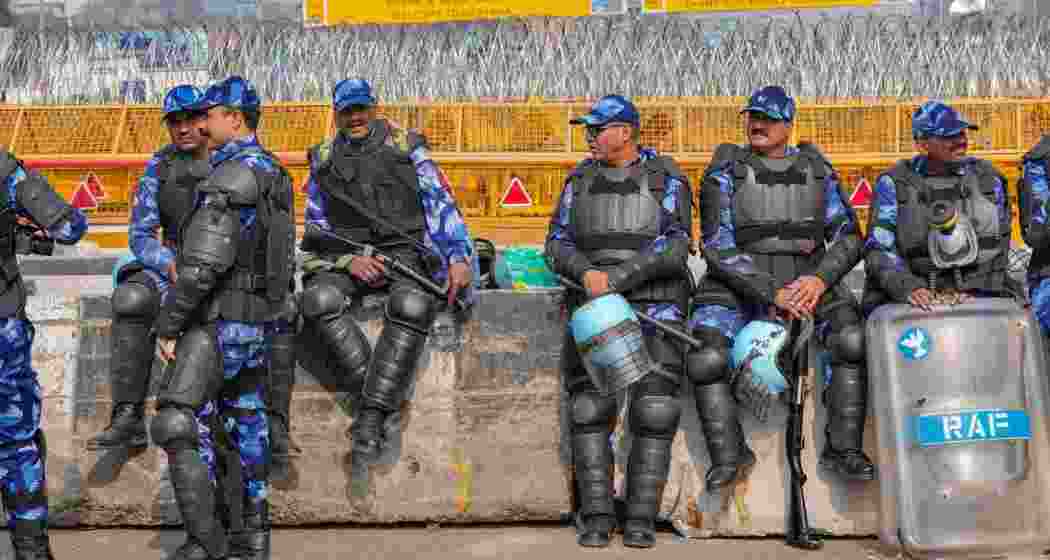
column 862, row 195
column 83, row 199
column 444, row 181
column 515, row 195
column 94, row 184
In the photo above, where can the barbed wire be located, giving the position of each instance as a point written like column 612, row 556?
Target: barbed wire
column 856, row 56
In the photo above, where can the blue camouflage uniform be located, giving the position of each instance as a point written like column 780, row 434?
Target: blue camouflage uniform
column 753, row 252
column 1035, row 225
column 223, row 309
column 414, row 200
column 446, row 233
column 243, row 346
column 140, row 280
column 631, row 223
column 891, row 274
column 839, row 221
column 670, row 229
column 21, row 457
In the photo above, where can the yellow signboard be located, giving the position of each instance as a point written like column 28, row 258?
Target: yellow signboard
column 313, row 12
column 430, row 11
column 741, row 5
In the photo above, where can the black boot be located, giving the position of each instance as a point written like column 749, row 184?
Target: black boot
column 843, row 452
column 127, row 428
column 367, row 432
column 394, row 359
column 252, row 542
column 195, row 495
column 30, row 540
column 593, row 461
column 730, row 455
column 646, row 476
column 279, row 396
column 132, row 362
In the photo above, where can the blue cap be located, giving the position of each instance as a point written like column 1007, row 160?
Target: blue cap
column 935, row 118
column 610, row 109
column 354, row 91
column 235, row 92
column 181, row 98
column 773, row 102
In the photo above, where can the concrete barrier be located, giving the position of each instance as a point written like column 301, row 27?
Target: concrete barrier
column 484, row 440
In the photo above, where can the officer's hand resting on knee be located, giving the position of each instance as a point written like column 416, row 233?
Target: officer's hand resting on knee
column 922, row 298
column 806, row 292
column 596, row 283
column 784, row 302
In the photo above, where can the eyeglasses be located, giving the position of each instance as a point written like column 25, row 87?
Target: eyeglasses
column 593, row 132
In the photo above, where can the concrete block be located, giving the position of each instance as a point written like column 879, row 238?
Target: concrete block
column 485, row 435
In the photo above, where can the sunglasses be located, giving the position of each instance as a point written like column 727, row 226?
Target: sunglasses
column 593, row 132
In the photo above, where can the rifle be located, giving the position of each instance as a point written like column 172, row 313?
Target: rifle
column 392, row 262
column 799, row 533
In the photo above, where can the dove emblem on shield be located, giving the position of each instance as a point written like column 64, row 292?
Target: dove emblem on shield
column 915, row 343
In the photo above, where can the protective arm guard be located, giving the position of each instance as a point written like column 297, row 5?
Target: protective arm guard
column 646, row 267
column 44, row 205
column 566, row 260
column 898, row 284
column 840, row 258
column 208, row 250
column 563, row 257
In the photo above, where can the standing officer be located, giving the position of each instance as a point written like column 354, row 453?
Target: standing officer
column 622, row 225
column 375, row 185
column 778, row 237
column 235, row 263
column 35, row 217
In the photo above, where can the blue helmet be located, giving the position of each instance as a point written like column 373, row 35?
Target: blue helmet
column 761, row 356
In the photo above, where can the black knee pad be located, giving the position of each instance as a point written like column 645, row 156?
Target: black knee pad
column 592, row 409
column 655, row 416
column 322, row 301
column 847, row 344
column 174, row 428
column 135, row 299
column 410, row 308
column 709, row 364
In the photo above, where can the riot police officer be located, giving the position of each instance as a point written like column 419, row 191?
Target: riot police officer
column 622, row 225
column 1033, row 193
column 374, row 184
column 34, row 218
column 235, row 263
column 778, row 236
column 162, row 200
column 940, row 222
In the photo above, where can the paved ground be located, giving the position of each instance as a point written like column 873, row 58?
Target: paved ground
column 446, row 543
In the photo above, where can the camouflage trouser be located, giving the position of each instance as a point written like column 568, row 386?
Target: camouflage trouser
column 245, row 350
column 21, row 453
column 1040, row 296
